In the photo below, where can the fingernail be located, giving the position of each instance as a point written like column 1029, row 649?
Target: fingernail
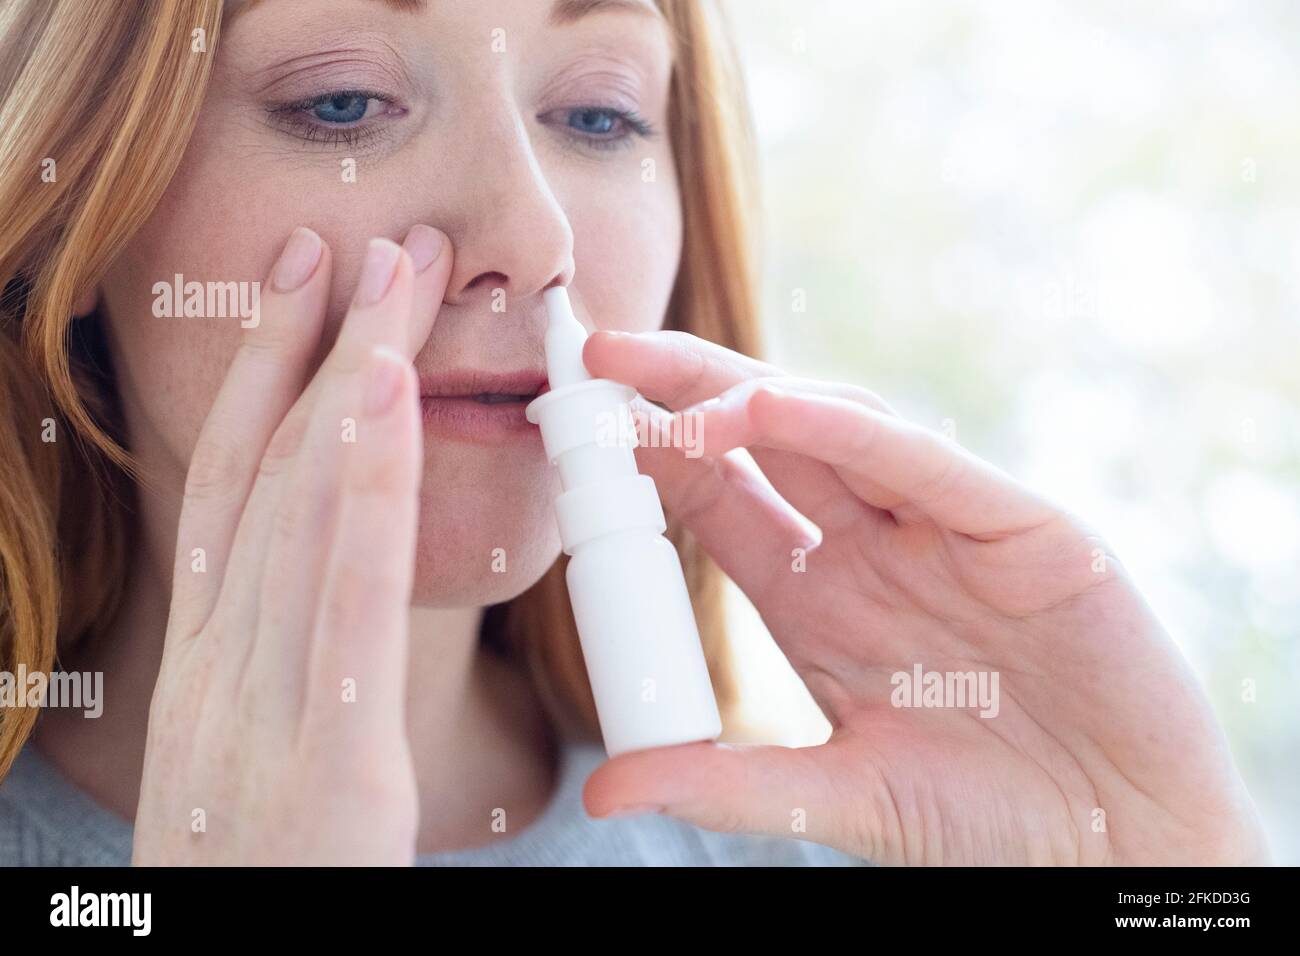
column 297, row 261
column 378, row 271
column 635, row 810
column 384, row 376
column 424, row 243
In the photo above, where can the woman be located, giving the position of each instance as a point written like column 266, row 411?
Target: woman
column 307, row 539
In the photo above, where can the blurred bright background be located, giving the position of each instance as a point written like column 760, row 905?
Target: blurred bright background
column 1071, row 233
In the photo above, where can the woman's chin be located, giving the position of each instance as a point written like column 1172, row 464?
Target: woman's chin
column 487, row 526
column 471, row 559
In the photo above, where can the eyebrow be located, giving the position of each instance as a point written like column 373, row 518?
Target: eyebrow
column 563, row 13
column 566, row 12
column 236, row 7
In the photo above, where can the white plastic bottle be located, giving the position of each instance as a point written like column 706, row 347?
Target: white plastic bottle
column 633, row 611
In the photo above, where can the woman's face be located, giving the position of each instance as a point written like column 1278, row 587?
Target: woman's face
column 534, row 134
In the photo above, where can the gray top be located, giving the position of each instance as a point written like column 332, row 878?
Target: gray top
column 45, row 820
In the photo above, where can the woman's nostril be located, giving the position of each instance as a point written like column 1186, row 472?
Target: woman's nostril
column 493, row 279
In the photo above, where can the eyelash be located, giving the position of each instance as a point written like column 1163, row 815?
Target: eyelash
column 636, row 124
column 295, row 117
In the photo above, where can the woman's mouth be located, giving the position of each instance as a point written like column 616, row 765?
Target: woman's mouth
column 488, row 398
column 480, row 407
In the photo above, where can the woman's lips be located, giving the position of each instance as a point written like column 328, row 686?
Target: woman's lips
column 481, row 407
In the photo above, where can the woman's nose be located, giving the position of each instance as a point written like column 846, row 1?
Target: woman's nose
column 511, row 235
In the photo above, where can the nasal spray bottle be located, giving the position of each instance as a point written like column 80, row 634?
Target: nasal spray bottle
column 630, row 602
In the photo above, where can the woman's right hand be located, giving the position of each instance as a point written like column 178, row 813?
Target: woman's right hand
column 276, row 729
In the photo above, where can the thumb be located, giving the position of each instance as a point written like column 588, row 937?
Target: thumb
column 746, row 788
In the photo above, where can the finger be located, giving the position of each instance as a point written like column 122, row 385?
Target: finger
column 432, row 257
column 431, row 260
column 777, row 791
column 813, row 487
column 359, row 643
column 870, row 449
column 264, row 378
column 675, row 368
column 679, row 369
column 404, row 314
column 293, row 513
column 727, row 504
column 403, row 331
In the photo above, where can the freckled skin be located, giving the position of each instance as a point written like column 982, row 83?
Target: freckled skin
column 522, row 200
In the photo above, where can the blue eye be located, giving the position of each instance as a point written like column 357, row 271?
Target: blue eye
column 599, row 127
column 342, row 108
column 595, row 122
column 337, row 117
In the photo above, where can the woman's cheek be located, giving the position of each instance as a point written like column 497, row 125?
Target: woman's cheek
column 171, row 366
column 233, row 202
column 626, row 249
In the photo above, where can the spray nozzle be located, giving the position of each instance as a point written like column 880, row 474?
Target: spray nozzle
column 564, row 340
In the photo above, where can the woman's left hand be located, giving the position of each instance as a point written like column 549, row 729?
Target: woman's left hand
column 1098, row 747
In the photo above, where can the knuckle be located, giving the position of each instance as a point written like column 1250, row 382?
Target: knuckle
column 939, row 482
column 344, row 601
column 215, row 469
column 758, row 390
column 273, row 466
column 292, row 518
column 695, row 368
column 283, row 446
column 268, row 343
column 727, row 820
column 705, row 489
